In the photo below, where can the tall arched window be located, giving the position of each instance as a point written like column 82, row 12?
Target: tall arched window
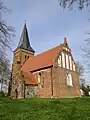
column 69, row 80
column 67, row 62
column 70, row 59
column 73, row 66
column 39, row 78
column 63, row 59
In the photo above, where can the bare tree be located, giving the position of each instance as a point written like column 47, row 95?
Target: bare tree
column 74, row 3
column 80, row 69
column 6, row 31
column 6, row 34
column 4, row 71
column 86, row 54
column 86, row 48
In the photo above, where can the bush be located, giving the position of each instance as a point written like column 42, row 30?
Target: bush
column 2, row 94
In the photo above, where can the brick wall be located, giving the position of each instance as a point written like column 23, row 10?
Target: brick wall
column 60, row 88
column 30, row 91
column 44, row 87
column 20, row 56
column 54, row 83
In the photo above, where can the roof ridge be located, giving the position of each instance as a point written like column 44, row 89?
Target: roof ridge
column 48, row 50
column 41, row 60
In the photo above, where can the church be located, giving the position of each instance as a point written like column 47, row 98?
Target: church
column 51, row 74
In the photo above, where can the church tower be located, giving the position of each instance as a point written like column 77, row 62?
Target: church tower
column 22, row 53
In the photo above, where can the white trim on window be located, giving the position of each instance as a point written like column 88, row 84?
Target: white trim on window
column 74, row 67
column 63, row 60
column 69, row 80
column 39, row 78
column 67, row 62
column 70, row 62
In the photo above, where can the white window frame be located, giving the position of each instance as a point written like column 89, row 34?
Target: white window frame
column 63, row 60
column 70, row 62
column 69, row 80
column 39, row 78
column 74, row 69
column 67, row 62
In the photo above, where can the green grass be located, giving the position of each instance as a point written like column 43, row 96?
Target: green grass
column 45, row 109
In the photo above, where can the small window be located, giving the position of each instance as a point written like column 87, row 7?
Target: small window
column 23, row 76
column 18, row 60
column 39, row 78
column 28, row 57
column 69, row 79
column 65, row 48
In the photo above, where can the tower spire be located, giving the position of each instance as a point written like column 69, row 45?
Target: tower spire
column 24, row 40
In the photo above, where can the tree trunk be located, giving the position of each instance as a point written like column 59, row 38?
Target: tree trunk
column 1, row 85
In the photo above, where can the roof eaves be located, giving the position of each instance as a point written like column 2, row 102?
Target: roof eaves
column 38, row 69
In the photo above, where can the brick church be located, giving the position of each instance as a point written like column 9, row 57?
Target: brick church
column 49, row 74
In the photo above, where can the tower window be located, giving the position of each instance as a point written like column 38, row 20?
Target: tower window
column 28, row 57
column 18, row 60
column 69, row 79
column 23, row 76
column 25, row 57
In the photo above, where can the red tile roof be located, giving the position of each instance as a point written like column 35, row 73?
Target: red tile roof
column 29, row 78
column 42, row 60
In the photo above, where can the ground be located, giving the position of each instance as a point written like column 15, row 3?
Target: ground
column 45, row 109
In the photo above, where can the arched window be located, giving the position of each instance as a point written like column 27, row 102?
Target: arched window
column 69, row 80
column 63, row 60
column 25, row 57
column 18, row 60
column 67, row 62
column 28, row 57
column 39, row 78
column 73, row 66
column 70, row 60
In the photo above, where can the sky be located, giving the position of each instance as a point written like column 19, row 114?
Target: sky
column 48, row 24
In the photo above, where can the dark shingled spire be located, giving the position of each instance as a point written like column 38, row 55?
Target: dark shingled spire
column 24, row 40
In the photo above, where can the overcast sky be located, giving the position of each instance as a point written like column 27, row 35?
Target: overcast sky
column 47, row 24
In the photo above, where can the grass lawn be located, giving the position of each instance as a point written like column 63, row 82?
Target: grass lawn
column 45, row 109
